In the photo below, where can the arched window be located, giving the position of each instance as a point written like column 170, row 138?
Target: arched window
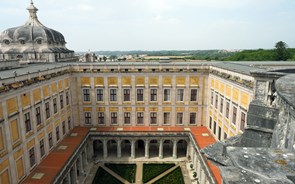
column 7, row 42
column 22, row 42
column 39, row 41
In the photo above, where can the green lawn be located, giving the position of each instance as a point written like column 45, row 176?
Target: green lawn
column 103, row 177
column 175, row 177
column 150, row 171
column 126, row 171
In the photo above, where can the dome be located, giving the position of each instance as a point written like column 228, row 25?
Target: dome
column 32, row 31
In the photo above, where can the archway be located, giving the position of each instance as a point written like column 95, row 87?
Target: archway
column 126, row 148
column 154, row 148
column 97, row 149
column 139, row 148
column 167, row 148
column 181, row 148
column 79, row 166
column 112, row 148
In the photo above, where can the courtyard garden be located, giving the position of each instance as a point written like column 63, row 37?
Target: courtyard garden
column 126, row 171
column 103, row 177
column 151, row 171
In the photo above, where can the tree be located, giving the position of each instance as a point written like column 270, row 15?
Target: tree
column 281, row 52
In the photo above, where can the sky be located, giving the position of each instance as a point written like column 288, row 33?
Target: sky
column 161, row 24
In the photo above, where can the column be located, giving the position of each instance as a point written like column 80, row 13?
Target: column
column 132, row 149
column 69, row 177
column 90, row 150
column 80, row 166
column 187, row 148
column 175, row 149
column 119, row 149
column 74, row 174
column 147, row 149
column 86, row 155
column 161, row 149
column 105, row 148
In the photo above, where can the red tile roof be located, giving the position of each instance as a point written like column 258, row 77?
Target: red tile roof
column 55, row 161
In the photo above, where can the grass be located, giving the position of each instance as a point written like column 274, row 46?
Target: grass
column 175, row 177
column 103, row 177
column 126, row 171
column 150, row 171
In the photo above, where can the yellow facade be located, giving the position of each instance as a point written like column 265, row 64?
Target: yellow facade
column 14, row 131
column 4, row 170
column 244, row 100
column 153, row 81
column 46, row 91
column 99, row 81
column 25, row 99
column 85, row 81
column 126, row 81
column 180, row 81
column 1, row 112
column 235, row 93
column 1, row 140
column 60, row 85
column 37, row 95
column 113, row 81
column 167, row 80
column 11, row 105
column 20, row 168
column 194, row 81
column 140, row 81
column 53, row 88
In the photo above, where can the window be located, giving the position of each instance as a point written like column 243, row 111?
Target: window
column 180, row 95
column 42, row 148
column 214, row 128
column 194, row 94
column 179, row 118
column 166, row 118
column 38, row 116
column 139, row 95
column 216, row 101
column 140, row 118
column 114, row 119
column 61, row 100
column 212, row 97
column 126, row 117
column 153, row 118
column 86, row 95
column 210, row 122
column 100, row 118
column 113, row 95
column 192, row 118
column 32, row 157
column 50, row 140
column 166, row 95
column 69, row 123
column 221, row 105
column 54, row 106
column 63, row 128
column 67, row 98
column 219, row 133
column 87, row 118
column 99, row 95
column 234, row 120
column 243, row 121
column 153, row 95
column 227, row 110
column 57, row 133
column 224, row 135
column 126, row 95
column 28, row 122
column 47, row 110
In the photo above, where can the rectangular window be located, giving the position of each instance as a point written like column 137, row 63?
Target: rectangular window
column 69, row 123
column 32, row 157
column 54, row 106
column 114, row 118
column 139, row 95
column 227, row 110
column 113, row 95
column 212, row 97
column 47, row 110
column 194, row 94
column 50, row 140
column 221, row 105
column 28, row 122
column 234, row 120
column 219, row 133
column 153, row 95
column 67, row 98
column 166, row 118
column 224, row 135
column 127, row 118
column 57, row 133
column 214, row 128
column 42, row 148
column 180, row 95
column 216, row 101
column 86, row 95
column 61, row 100
column 192, row 118
column 100, row 118
column 38, row 116
column 166, row 95
column 126, row 95
column 153, row 117
column 179, row 118
column 63, row 128
column 210, row 123
column 99, row 95
column 140, row 118
column 243, row 121
column 87, row 118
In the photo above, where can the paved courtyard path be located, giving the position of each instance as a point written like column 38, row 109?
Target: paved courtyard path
column 139, row 169
column 115, row 175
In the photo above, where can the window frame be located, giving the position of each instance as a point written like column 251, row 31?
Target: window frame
column 153, row 95
column 139, row 96
column 87, row 118
column 27, row 120
column 180, row 96
column 179, row 119
column 47, row 110
column 195, row 97
column 99, row 96
column 114, row 118
column 166, row 97
column 32, row 157
column 100, row 118
column 54, row 102
column 165, row 118
column 194, row 120
column 113, row 94
column 42, row 148
column 86, row 94
column 153, row 118
column 127, row 96
column 140, row 118
column 127, row 118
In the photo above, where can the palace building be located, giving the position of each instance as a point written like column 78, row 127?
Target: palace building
column 58, row 118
